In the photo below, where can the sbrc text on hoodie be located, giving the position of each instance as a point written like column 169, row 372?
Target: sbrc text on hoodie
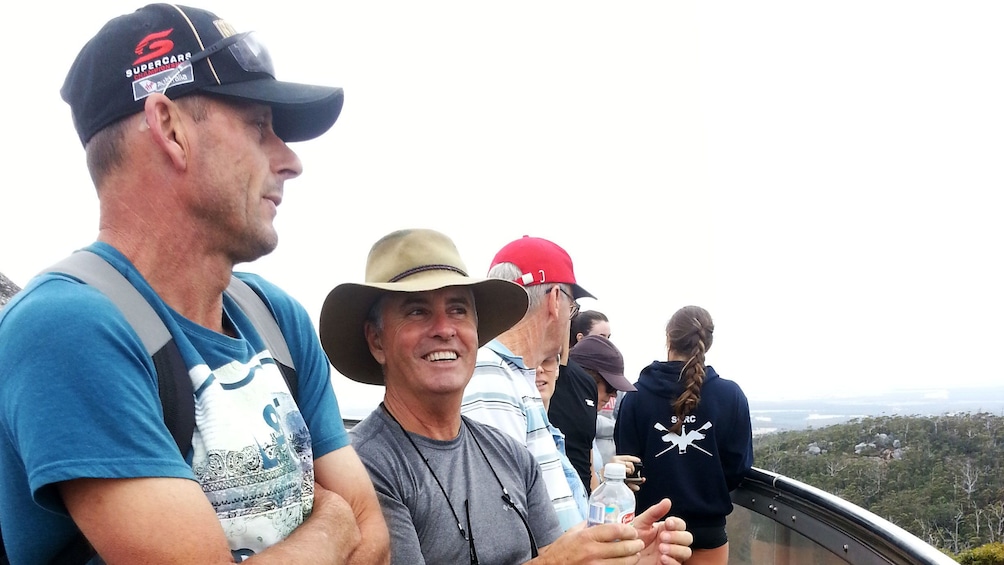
column 697, row 467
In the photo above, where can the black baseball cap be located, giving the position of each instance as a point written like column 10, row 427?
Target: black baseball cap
column 178, row 50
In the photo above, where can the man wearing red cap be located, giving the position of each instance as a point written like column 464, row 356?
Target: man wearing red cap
column 502, row 392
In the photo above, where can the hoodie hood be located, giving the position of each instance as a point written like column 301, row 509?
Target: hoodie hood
column 662, row 378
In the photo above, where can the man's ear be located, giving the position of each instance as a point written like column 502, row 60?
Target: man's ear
column 163, row 119
column 554, row 302
column 375, row 343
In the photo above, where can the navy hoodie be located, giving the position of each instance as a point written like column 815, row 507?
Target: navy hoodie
column 698, row 467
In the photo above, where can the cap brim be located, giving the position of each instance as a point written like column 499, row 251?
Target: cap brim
column 617, row 381
column 579, row 292
column 500, row 305
column 299, row 111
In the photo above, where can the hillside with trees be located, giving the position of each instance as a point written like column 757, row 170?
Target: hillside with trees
column 940, row 478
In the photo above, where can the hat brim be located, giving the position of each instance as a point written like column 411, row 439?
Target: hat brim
column 579, row 292
column 500, row 304
column 299, row 111
column 617, row 381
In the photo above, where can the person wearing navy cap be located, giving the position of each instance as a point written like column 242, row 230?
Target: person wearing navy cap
column 503, row 392
column 185, row 129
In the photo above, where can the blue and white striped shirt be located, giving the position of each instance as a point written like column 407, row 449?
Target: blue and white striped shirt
column 502, row 393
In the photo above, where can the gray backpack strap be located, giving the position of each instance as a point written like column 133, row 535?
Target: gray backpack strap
column 261, row 318
column 174, row 386
column 96, row 272
column 254, row 307
column 173, row 383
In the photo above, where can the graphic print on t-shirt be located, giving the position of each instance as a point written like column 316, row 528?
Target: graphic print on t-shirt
column 259, row 477
column 684, row 439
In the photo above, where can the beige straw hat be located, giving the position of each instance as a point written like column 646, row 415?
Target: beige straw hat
column 415, row 260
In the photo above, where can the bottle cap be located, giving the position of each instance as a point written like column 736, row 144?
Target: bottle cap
column 614, row 471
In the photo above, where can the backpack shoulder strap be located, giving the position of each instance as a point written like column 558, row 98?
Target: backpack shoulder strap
column 253, row 305
column 173, row 382
column 95, row 271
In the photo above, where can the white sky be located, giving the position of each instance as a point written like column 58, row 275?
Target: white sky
column 822, row 177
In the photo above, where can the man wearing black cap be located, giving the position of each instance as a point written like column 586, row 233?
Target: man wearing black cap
column 503, row 392
column 185, row 130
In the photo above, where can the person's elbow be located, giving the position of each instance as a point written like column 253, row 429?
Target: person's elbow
column 375, row 546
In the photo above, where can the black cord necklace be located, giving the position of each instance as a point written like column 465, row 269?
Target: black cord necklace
column 467, row 534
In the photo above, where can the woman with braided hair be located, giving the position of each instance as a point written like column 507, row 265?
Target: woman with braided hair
column 691, row 429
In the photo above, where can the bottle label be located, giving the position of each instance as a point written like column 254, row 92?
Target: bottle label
column 608, row 514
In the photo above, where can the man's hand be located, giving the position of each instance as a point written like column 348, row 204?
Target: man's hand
column 666, row 543
column 597, row 544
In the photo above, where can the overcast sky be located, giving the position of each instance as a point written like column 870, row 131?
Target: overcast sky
column 824, row 178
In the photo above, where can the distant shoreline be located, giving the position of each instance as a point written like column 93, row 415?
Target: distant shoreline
column 797, row 414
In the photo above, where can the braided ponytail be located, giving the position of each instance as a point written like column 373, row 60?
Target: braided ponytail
column 689, row 334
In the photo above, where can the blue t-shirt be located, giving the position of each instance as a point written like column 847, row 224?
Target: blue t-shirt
column 79, row 399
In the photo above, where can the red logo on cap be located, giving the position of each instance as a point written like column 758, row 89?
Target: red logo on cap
column 154, row 45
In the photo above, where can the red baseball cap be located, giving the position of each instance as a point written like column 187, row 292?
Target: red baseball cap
column 541, row 261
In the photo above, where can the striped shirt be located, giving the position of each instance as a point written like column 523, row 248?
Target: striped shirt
column 502, row 393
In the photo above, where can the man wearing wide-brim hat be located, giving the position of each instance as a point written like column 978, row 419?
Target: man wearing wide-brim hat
column 452, row 490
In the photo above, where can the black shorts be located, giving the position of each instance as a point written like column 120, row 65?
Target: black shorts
column 708, row 537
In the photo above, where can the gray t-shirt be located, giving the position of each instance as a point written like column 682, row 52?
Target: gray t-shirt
column 422, row 528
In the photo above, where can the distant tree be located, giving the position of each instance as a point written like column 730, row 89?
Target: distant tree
column 834, row 465
column 994, row 513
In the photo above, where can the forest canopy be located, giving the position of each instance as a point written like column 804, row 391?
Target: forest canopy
column 939, row 477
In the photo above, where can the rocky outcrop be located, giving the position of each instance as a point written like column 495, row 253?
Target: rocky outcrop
column 7, row 289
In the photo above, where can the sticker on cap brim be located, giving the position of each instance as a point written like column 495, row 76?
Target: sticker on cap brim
column 182, row 73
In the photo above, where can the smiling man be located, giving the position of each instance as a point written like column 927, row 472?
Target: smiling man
column 454, row 490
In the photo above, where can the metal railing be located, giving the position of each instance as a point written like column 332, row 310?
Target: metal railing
column 781, row 521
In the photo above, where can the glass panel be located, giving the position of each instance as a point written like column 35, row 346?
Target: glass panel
column 757, row 540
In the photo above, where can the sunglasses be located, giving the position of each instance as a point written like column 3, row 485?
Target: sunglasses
column 575, row 305
column 245, row 48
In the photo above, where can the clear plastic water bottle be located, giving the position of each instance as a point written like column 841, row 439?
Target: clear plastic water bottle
column 613, row 501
